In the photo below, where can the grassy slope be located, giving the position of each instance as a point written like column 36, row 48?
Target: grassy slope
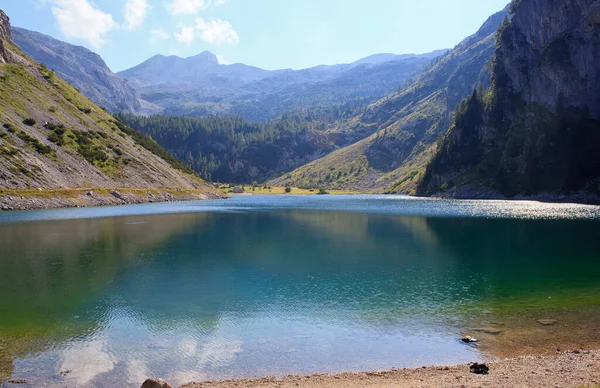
column 95, row 150
column 401, row 130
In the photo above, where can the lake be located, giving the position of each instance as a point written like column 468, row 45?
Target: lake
column 266, row 285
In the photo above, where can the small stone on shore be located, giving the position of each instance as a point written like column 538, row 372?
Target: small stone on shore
column 116, row 194
column 479, row 369
column 547, row 322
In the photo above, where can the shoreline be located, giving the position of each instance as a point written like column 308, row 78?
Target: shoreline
column 576, row 368
column 22, row 200
column 473, row 193
column 46, row 199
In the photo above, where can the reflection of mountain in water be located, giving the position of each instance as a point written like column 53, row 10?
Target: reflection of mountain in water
column 53, row 268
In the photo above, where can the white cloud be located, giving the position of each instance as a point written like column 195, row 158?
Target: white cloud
column 213, row 31
column 222, row 60
column 159, row 34
column 191, row 7
column 186, row 35
column 135, row 13
column 79, row 19
column 217, row 31
column 184, row 7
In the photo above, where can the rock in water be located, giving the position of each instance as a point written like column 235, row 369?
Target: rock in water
column 155, row 383
column 479, row 369
column 469, row 340
column 488, row 331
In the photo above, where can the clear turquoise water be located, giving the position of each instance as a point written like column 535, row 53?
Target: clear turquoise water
column 257, row 286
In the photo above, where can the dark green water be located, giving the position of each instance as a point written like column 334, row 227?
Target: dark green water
column 258, row 286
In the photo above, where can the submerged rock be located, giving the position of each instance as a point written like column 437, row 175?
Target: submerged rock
column 488, row 331
column 155, row 383
column 17, row 381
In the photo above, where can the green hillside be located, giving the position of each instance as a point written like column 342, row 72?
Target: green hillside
column 52, row 137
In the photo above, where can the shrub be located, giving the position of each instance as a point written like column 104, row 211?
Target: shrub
column 288, row 190
column 9, row 127
column 35, row 144
column 323, row 192
column 57, row 139
column 53, row 109
column 86, row 110
column 29, row 121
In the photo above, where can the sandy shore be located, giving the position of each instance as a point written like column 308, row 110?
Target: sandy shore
column 568, row 369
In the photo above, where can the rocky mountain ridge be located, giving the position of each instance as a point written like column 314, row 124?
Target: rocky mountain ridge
column 83, row 69
column 201, row 86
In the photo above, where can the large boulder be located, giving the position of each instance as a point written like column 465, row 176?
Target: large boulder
column 155, row 383
column 238, row 190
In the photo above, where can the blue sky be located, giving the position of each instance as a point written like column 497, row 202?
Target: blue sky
column 272, row 34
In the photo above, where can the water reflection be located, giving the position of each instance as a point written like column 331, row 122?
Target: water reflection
column 218, row 295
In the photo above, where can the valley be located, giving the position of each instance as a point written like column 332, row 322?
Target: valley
column 376, row 125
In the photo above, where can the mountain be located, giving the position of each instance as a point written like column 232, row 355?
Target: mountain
column 535, row 131
column 83, row 69
column 386, row 57
column 394, row 138
column 201, row 86
column 53, row 138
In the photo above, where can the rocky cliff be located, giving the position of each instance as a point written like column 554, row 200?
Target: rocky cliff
column 536, row 129
column 551, row 51
column 5, row 36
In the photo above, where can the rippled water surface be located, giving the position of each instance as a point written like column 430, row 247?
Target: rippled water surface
column 256, row 286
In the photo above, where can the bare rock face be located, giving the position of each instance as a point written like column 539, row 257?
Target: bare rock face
column 155, row 383
column 5, row 36
column 552, row 52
